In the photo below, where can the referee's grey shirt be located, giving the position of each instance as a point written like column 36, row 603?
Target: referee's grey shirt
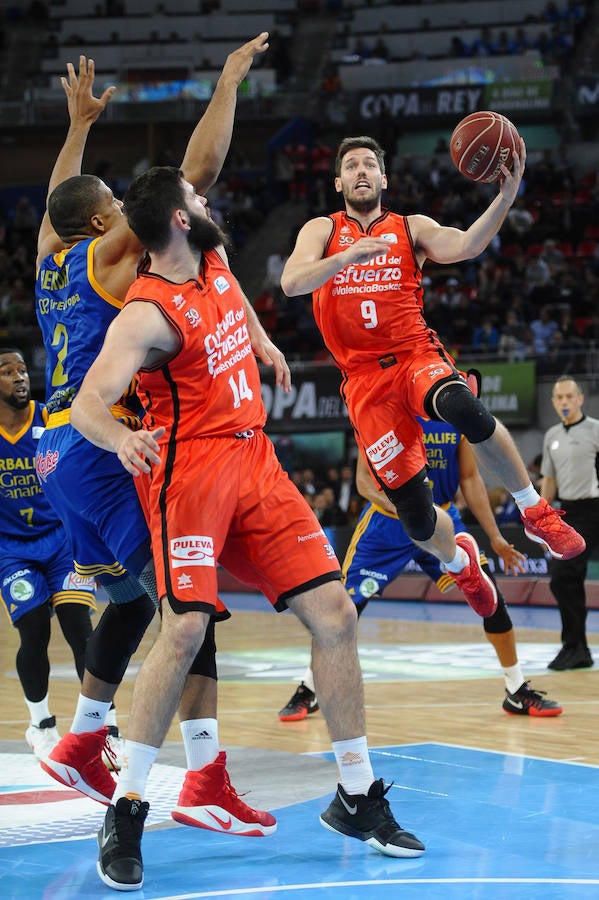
column 570, row 455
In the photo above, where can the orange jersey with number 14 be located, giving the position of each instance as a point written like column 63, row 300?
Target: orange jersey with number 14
column 215, row 356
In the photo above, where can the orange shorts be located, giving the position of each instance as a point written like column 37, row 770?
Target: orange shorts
column 228, row 499
column 383, row 405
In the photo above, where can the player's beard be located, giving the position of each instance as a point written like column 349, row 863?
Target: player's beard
column 365, row 205
column 18, row 402
column 204, row 234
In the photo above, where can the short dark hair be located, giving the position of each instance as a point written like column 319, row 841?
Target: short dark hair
column 72, row 204
column 352, row 143
column 149, row 203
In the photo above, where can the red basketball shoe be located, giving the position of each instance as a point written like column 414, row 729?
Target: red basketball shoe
column 543, row 524
column 76, row 761
column 209, row 800
column 476, row 586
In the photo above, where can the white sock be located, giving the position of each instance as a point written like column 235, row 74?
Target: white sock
column 528, row 496
column 133, row 777
column 90, row 715
column 308, row 679
column 38, row 711
column 353, row 762
column 513, row 678
column 460, row 560
column 111, row 717
column 200, row 739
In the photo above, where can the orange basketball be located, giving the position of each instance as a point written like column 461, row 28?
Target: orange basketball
column 481, row 143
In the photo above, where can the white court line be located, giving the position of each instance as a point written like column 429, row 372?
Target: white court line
column 279, row 889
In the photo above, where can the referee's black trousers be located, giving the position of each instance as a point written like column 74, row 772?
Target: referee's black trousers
column 568, row 575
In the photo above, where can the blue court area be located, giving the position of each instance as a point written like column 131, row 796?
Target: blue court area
column 496, row 826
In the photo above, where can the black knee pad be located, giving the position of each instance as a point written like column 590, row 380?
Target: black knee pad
column 456, row 404
column 414, row 504
column 116, row 637
column 205, row 660
column 500, row 621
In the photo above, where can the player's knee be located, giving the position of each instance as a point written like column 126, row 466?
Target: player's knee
column 456, row 404
column 204, row 662
column 500, row 621
column 414, row 504
column 116, row 638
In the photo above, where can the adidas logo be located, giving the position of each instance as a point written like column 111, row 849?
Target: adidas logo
column 202, row 736
column 93, row 715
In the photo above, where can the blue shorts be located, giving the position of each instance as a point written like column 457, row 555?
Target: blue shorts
column 380, row 550
column 95, row 499
column 41, row 569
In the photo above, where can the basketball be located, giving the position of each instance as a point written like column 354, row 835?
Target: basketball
column 481, row 143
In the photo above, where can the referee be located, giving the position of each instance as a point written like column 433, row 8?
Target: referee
column 570, row 473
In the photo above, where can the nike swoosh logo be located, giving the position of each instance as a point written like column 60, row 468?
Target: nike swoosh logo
column 72, row 781
column 352, row 810
column 515, row 703
column 105, row 837
column 224, row 825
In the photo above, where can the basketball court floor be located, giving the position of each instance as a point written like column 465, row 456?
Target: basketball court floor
column 497, row 823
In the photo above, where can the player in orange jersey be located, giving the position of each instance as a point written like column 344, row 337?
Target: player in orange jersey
column 217, row 492
column 364, row 267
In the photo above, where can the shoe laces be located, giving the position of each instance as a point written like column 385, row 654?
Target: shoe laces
column 549, row 519
column 229, row 789
column 302, row 695
column 528, row 693
column 127, row 829
column 389, row 826
column 109, row 751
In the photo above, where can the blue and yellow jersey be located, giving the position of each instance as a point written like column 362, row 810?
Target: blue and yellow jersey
column 74, row 312
column 24, row 510
column 441, row 442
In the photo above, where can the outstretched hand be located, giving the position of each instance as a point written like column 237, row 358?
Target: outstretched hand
column 238, row 62
column 513, row 560
column 83, row 106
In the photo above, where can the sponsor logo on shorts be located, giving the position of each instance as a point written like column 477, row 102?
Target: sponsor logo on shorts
column 191, row 550
column 330, row 551
column 432, row 370
column 21, row 590
column 19, row 574
column 46, row 463
column 184, row 581
column 74, row 582
column 384, row 450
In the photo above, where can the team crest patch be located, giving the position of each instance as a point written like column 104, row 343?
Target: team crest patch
column 21, row 590
column 221, row 284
